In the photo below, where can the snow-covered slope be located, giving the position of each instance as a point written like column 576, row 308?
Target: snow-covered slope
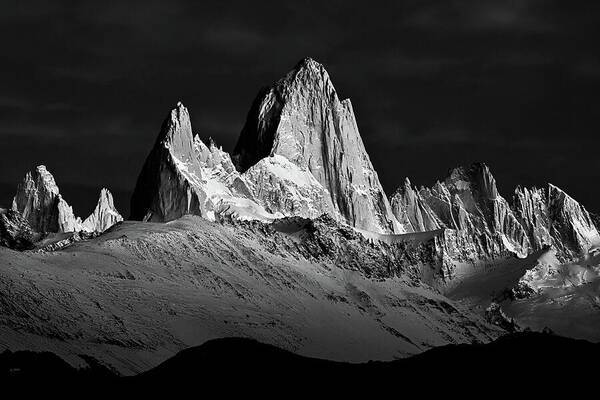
column 142, row 291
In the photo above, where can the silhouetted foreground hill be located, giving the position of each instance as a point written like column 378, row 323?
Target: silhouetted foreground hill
column 515, row 364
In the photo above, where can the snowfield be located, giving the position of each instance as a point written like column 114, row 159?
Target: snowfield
column 139, row 293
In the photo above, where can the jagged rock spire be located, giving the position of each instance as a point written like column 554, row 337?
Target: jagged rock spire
column 411, row 211
column 169, row 184
column 571, row 225
column 104, row 215
column 39, row 201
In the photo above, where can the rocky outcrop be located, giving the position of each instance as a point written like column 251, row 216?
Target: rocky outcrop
column 40, row 203
column 104, row 215
column 15, row 232
column 301, row 119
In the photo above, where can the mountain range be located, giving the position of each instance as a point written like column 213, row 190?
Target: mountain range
column 291, row 240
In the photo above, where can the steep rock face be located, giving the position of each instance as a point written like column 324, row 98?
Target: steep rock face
column 553, row 218
column 411, row 211
column 104, row 215
column 39, row 201
column 170, row 185
column 184, row 176
column 485, row 211
column 572, row 228
column 302, row 119
column 466, row 201
column 530, row 207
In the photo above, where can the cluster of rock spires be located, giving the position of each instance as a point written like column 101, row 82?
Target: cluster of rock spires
column 468, row 202
column 300, row 154
column 39, row 208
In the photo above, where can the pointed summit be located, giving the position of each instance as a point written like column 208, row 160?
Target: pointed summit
column 307, row 86
column 169, row 185
column 301, row 118
column 572, row 227
column 105, row 214
column 176, row 132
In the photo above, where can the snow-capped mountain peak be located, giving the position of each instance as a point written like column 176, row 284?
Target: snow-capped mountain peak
column 297, row 127
column 300, row 117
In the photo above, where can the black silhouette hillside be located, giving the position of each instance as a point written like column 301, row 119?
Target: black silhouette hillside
column 515, row 364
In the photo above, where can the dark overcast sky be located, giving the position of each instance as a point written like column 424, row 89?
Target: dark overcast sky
column 84, row 88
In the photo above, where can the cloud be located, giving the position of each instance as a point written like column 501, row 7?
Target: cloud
column 481, row 15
